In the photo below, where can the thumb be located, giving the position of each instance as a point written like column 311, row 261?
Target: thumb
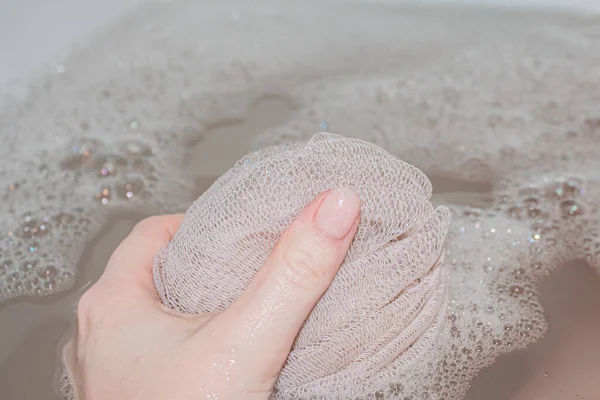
column 270, row 313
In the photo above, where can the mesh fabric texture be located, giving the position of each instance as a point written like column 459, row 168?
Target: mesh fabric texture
column 384, row 307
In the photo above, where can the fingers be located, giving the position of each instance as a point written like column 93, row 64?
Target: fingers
column 132, row 261
column 298, row 272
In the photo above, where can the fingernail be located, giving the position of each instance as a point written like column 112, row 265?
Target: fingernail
column 337, row 213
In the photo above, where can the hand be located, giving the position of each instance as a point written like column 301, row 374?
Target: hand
column 129, row 346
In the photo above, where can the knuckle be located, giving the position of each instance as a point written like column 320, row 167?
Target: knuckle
column 85, row 310
column 85, row 306
column 303, row 268
column 90, row 309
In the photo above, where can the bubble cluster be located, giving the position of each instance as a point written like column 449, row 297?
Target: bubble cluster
column 106, row 131
column 116, row 175
column 486, row 116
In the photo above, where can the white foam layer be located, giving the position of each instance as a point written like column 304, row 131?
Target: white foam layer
column 510, row 99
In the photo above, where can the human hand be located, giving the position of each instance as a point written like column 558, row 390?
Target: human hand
column 130, row 346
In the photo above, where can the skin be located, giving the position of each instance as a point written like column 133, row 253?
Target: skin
column 129, row 346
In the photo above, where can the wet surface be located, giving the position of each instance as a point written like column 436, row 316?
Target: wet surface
column 561, row 366
column 228, row 141
column 564, row 365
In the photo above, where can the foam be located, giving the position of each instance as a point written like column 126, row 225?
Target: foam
column 508, row 99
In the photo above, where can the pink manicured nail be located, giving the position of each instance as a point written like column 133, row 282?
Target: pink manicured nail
column 337, row 213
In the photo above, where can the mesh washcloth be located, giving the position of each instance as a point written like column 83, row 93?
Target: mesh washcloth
column 384, row 307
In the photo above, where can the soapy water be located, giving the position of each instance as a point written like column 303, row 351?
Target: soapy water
column 507, row 100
